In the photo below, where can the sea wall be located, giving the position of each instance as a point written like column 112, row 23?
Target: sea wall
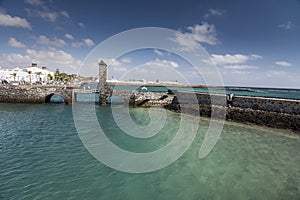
column 288, row 106
column 33, row 93
column 277, row 113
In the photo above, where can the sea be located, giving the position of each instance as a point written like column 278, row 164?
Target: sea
column 42, row 156
column 283, row 93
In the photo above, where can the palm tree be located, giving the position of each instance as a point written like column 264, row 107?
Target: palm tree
column 63, row 77
column 49, row 77
column 57, row 74
column 73, row 76
column 39, row 75
column 29, row 72
column 14, row 75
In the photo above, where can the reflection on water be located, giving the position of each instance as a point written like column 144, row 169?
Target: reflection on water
column 56, row 99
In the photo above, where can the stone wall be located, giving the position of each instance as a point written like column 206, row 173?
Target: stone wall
column 200, row 98
column 277, row 113
column 268, row 104
column 33, row 93
column 288, row 106
column 243, row 115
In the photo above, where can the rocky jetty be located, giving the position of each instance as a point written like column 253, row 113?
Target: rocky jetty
column 276, row 113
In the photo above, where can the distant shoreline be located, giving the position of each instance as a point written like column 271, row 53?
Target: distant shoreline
column 237, row 88
column 155, row 84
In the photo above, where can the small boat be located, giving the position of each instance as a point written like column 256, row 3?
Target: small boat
column 144, row 88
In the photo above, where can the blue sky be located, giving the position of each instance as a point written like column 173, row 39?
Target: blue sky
column 253, row 43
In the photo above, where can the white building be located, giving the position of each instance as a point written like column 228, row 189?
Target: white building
column 31, row 74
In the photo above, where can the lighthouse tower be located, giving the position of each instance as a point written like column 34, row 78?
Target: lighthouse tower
column 104, row 90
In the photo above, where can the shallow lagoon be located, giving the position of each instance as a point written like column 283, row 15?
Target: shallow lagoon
column 42, row 157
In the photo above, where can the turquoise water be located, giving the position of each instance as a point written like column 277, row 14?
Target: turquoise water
column 239, row 91
column 42, row 157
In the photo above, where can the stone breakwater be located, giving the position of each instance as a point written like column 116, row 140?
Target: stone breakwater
column 143, row 98
column 34, row 93
column 276, row 113
column 149, row 99
column 288, row 106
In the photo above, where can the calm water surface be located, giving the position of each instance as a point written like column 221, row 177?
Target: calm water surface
column 42, row 157
column 239, row 91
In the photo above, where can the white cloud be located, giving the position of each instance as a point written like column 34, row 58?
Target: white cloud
column 115, row 66
column 65, row 14
column 44, row 12
column 34, row 2
column 88, row 42
column 51, row 58
column 239, row 67
column 81, row 25
column 49, row 16
column 69, row 36
column 287, row 26
column 77, row 44
column 269, row 78
column 7, row 20
column 14, row 43
column 151, row 70
column 233, row 59
column 85, row 42
column 158, row 69
column 111, row 62
column 126, row 60
column 255, row 57
column 204, row 33
column 158, row 52
column 235, row 66
column 283, row 63
column 214, row 12
column 14, row 60
column 186, row 43
column 51, row 42
column 162, row 63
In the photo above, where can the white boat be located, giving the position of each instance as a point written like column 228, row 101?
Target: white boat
column 144, row 88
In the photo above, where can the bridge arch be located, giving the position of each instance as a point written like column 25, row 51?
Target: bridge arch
column 49, row 96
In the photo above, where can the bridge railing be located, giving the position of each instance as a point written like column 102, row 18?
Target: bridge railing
column 86, row 91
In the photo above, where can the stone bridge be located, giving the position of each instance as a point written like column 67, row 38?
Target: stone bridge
column 35, row 93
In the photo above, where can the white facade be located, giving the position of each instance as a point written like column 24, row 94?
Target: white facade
column 29, row 74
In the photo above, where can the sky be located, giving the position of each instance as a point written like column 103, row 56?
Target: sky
column 253, row 43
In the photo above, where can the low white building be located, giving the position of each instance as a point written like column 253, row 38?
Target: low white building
column 31, row 74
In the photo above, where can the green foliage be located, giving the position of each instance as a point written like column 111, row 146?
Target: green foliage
column 64, row 76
